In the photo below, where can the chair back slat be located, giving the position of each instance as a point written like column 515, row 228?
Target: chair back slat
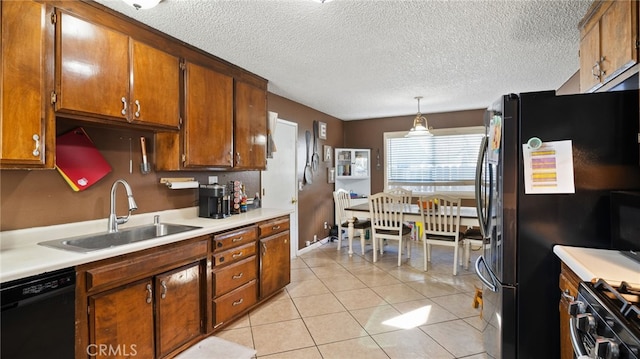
column 405, row 195
column 342, row 199
column 441, row 215
column 386, row 211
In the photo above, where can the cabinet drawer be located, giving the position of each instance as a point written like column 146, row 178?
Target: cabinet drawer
column 136, row 266
column 233, row 276
column 232, row 304
column 274, row 226
column 224, row 241
column 234, row 254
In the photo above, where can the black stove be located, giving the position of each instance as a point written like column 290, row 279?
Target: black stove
column 605, row 321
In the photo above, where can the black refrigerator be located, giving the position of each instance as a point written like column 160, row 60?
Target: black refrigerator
column 518, row 268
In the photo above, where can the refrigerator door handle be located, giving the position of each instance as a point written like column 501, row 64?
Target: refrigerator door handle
column 484, row 228
column 492, row 285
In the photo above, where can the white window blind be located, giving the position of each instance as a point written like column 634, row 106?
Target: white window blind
column 443, row 162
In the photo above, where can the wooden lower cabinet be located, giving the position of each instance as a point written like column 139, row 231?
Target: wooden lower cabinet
column 569, row 283
column 157, row 302
column 275, row 258
column 178, row 308
column 121, row 322
column 148, row 304
column 275, row 263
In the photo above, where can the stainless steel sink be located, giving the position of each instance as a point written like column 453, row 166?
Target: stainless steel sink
column 96, row 241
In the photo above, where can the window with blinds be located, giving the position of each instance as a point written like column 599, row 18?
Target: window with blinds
column 444, row 162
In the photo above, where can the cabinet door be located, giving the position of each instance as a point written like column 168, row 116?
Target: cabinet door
column 27, row 48
column 155, row 87
column 121, row 322
column 208, row 132
column 179, row 307
column 250, row 127
column 275, row 263
column 590, row 58
column 92, row 68
column 618, row 31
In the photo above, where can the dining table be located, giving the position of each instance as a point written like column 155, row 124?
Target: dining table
column 410, row 212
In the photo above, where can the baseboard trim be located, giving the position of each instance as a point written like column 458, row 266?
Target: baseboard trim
column 313, row 246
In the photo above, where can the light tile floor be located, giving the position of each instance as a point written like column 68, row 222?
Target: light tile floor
column 348, row 307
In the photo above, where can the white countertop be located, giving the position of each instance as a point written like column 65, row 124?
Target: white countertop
column 592, row 263
column 21, row 256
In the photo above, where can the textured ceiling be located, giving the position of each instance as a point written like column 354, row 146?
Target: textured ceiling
column 358, row 59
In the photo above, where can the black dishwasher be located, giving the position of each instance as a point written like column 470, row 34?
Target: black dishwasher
column 38, row 316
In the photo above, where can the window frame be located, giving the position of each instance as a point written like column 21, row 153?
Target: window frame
column 463, row 189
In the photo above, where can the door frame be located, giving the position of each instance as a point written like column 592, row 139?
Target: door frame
column 293, row 217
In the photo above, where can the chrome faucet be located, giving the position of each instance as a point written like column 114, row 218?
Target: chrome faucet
column 114, row 220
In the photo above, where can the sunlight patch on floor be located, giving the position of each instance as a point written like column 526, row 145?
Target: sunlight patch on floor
column 412, row 319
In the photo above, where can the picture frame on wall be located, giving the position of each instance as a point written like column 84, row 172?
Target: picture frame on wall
column 328, row 152
column 322, row 130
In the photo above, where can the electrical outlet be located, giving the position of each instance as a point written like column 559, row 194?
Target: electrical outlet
column 326, row 225
column 213, row 179
column 315, row 238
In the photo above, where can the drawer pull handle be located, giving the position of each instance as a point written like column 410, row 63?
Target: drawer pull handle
column 238, row 239
column 36, row 148
column 236, row 255
column 275, row 228
column 124, row 106
column 163, row 294
column 238, row 276
column 568, row 296
column 238, row 302
column 264, row 248
column 137, row 113
column 149, row 293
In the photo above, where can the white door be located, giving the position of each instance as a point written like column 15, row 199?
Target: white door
column 279, row 181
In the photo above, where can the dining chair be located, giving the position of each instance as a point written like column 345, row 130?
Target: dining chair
column 342, row 200
column 387, row 213
column 406, row 194
column 441, row 226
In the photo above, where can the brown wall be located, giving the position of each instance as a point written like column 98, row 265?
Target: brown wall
column 315, row 201
column 354, row 134
column 42, row 197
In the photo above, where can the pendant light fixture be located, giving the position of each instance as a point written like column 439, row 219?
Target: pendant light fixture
column 142, row 4
column 420, row 125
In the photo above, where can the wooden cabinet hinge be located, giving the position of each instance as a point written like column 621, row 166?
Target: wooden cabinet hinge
column 54, row 97
column 54, row 17
column 182, row 66
column 184, row 159
column 637, row 44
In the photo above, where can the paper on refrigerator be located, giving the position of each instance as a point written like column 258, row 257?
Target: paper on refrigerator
column 549, row 168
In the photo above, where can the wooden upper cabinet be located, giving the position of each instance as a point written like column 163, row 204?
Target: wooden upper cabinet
column 208, row 130
column 106, row 74
column 609, row 42
column 250, row 127
column 27, row 118
column 590, row 58
column 92, row 69
column 155, row 86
